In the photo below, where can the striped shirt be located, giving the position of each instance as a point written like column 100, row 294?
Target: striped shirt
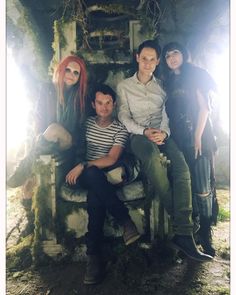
column 100, row 140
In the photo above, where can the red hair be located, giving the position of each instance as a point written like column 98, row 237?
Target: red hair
column 58, row 80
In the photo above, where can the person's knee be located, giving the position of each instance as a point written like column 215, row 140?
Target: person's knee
column 180, row 170
column 144, row 149
column 93, row 173
column 57, row 133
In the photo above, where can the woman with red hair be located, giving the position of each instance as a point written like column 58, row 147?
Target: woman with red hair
column 62, row 114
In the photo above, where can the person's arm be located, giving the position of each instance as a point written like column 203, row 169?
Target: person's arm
column 165, row 123
column 119, row 142
column 201, row 123
column 124, row 113
column 109, row 160
column 74, row 174
column 106, row 161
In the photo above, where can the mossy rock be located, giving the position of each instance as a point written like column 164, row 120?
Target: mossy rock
column 19, row 257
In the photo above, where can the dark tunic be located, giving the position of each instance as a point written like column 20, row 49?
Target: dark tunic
column 67, row 115
column 182, row 107
column 48, row 111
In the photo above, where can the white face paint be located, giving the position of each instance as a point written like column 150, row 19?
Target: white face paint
column 72, row 73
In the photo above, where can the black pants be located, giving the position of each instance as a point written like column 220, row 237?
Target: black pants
column 101, row 198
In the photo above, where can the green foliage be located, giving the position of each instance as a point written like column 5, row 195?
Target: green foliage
column 223, row 215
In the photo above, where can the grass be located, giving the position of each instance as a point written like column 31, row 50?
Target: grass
column 223, row 215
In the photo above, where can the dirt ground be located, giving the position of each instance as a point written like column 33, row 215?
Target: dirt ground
column 136, row 270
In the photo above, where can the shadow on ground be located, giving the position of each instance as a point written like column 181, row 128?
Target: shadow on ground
column 136, row 270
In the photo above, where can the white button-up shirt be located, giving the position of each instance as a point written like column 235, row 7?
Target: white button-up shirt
column 141, row 106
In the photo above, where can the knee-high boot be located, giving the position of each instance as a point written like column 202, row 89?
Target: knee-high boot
column 205, row 235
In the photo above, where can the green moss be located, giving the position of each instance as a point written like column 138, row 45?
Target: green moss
column 30, row 249
column 19, row 256
column 42, row 214
column 219, row 291
column 59, row 38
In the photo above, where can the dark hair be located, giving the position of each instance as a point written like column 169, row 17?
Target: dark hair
column 175, row 45
column 105, row 89
column 150, row 44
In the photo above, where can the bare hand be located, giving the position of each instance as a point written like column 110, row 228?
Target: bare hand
column 74, row 174
column 155, row 135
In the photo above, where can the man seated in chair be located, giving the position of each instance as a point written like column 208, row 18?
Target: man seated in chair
column 105, row 139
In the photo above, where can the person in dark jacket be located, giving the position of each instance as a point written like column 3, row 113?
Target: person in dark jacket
column 63, row 109
column 190, row 91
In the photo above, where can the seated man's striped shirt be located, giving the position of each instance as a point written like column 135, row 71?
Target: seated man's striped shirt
column 100, row 140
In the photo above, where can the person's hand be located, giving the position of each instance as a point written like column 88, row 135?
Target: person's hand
column 155, row 135
column 198, row 146
column 72, row 176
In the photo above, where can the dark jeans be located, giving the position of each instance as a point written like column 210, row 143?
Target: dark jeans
column 101, row 198
column 178, row 200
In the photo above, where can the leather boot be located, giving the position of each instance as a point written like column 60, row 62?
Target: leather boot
column 187, row 245
column 22, row 172
column 95, row 270
column 196, row 224
column 45, row 147
column 205, row 237
column 130, row 232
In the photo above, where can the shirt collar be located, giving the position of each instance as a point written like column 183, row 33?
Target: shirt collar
column 135, row 78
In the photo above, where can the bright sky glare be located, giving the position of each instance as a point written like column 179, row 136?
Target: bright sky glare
column 18, row 105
